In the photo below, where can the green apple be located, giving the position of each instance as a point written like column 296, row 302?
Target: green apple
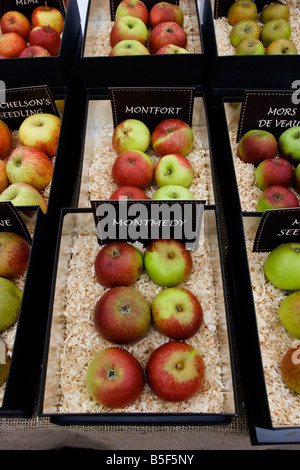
column 275, row 29
column 4, row 362
column 41, row 131
column 173, row 169
column 290, row 367
column 282, row 266
column 10, row 303
column 251, row 46
column 133, row 8
column 289, row 145
column 173, row 192
column 242, row 10
column 129, row 47
column 128, row 27
column 23, row 194
column 275, row 11
column 244, row 29
column 281, row 46
column 289, row 314
column 297, row 178
column 171, row 49
column 131, row 134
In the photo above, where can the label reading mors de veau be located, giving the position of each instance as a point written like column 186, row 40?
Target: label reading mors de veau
column 148, row 3
column 23, row 102
column 273, row 111
column 222, row 6
column 11, row 221
column 144, row 221
column 26, row 7
column 152, row 105
column 277, row 227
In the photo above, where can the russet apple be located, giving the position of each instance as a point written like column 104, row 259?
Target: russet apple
column 15, row 22
column 4, row 181
column 4, row 362
column 10, row 303
column 244, row 29
column 171, row 49
column 289, row 314
column 167, row 33
column 115, row 378
column 45, row 15
column 11, row 45
column 46, row 37
column 173, row 169
column 289, row 145
column 131, row 134
column 172, row 136
column 274, row 171
column 163, row 12
column 177, row 313
column 118, row 264
column 129, row 47
column 128, row 27
column 122, row 315
column 134, row 8
column 275, row 11
column 14, row 255
column 275, row 29
column 242, row 10
column 29, row 165
column 22, row 194
column 173, row 191
column 129, row 193
column 41, row 131
column 175, row 371
column 250, row 46
column 282, row 266
column 281, row 47
column 256, row 145
column 35, row 51
column 167, row 262
column 290, row 367
column 133, row 168
column 277, row 197
column 5, row 140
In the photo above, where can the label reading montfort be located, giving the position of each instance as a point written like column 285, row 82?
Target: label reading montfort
column 23, row 102
column 143, row 221
column 11, row 221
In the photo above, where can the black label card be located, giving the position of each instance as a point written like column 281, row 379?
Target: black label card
column 152, row 105
column 11, row 221
column 277, row 227
column 144, row 221
column 273, row 111
column 26, row 7
column 23, row 102
column 148, row 3
column 222, row 6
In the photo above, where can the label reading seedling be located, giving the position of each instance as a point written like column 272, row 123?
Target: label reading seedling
column 11, row 221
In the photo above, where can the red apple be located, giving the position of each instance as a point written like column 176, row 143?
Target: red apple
column 128, row 27
column 11, row 45
column 129, row 47
column 115, row 378
column 290, row 367
column 274, row 171
column 256, row 146
column 172, row 136
column 29, row 165
column 35, row 51
column 163, row 12
column 5, row 139
column 177, row 313
column 4, row 181
column 175, row 371
column 15, row 22
column 23, row 194
column 122, row 315
column 277, row 197
column 118, row 264
column 46, row 37
column 45, row 15
column 171, row 49
column 128, row 192
column 133, row 168
column 167, row 33
column 134, row 8
column 41, row 131
column 14, row 255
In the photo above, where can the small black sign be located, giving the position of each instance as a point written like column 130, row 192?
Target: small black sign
column 26, row 7
column 273, row 111
column 277, row 227
column 152, row 105
column 144, row 221
column 148, row 3
column 11, row 221
column 222, row 6
column 23, row 102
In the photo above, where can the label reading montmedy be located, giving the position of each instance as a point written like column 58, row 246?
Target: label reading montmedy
column 152, row 105
column 144, row 221
column 277, row 227
column 273, row 111
column 222, row 6
column 148, row 3
column 11, row 221
column 26, row 7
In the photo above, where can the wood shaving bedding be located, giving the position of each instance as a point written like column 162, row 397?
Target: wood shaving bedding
column 82, row 342
column 223, row 28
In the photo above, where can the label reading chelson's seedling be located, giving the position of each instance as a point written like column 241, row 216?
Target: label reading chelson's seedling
column 272, row 111
column 144, row 221
column 11, row 221
column 148, row 3
column 26, row 7
column 277, row 227
column 152, row 105
column 222, row 6
column 23, row 102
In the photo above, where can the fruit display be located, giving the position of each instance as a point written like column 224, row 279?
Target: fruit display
column 40, row 36
column 249, row 31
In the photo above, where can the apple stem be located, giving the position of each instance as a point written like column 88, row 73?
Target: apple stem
column 115, row 253
column 179, row 309
column 111, row 374
column 179, row 366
